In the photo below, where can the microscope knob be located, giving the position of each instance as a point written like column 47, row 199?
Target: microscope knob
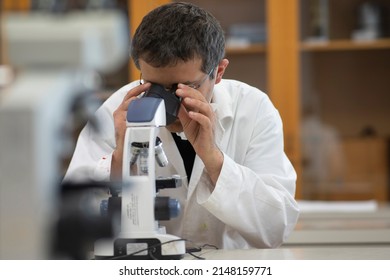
column 166, row 208
column 104, row 208
column 174, row 207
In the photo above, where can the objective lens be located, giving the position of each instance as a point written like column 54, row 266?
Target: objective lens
column 143, row 161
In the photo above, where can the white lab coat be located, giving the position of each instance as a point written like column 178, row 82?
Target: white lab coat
column 253, row 202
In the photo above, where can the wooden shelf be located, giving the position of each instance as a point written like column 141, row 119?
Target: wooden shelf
column 345, row 45
column 251, row 49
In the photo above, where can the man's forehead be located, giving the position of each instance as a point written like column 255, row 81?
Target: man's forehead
column 183, row 72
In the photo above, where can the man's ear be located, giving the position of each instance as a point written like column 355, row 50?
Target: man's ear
column 221, row 69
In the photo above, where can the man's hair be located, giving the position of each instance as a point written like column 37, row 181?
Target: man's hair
column 178, row 32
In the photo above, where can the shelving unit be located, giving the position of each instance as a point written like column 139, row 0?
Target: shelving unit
column 345, row 84
column 346, row 45
column 251, row 49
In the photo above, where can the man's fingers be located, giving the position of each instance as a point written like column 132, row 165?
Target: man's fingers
column 134, row 92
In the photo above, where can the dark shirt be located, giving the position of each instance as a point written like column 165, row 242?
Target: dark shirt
column 187, row 153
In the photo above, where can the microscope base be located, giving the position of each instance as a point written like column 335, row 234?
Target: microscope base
column 157, row 247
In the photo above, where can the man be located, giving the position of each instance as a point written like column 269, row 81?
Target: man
column 228, row 138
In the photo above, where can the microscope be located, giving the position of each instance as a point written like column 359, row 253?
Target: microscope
column 141, row 236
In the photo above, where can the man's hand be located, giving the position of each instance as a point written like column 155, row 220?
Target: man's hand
column 120, row 129
column 198, row 120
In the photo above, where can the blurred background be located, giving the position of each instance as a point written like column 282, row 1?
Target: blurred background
column 324, row 63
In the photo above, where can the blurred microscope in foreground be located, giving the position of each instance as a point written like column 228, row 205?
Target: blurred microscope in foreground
column 57, row 58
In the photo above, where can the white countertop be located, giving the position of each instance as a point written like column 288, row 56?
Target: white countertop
column 372, row 252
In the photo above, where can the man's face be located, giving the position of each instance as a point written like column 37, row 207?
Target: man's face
column 188, row 73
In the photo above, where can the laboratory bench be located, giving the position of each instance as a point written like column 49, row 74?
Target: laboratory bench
column 357, row 230
column 332, row 252
column 341, row 223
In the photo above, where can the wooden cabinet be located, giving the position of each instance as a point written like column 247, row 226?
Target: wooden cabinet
column 284, row 75
column 15, row 5
column 345, row 89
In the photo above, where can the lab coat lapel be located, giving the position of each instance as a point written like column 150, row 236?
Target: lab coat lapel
column 195, row 175
column 222, row 106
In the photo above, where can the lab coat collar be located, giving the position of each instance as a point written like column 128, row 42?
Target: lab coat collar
column 222, row 106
